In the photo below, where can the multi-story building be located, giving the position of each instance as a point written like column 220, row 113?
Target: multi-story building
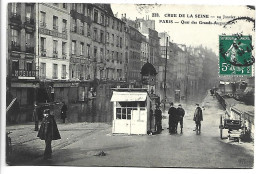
column 52, row 52
column 21, row 58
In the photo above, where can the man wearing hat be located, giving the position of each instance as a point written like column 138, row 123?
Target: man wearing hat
column 198, row 117
column 180, row 113
column 172, row 118
column 158, row 118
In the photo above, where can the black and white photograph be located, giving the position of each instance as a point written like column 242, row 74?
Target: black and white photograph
column 154, row 85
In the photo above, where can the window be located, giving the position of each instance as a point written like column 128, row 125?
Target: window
column 28, row 41
column 108, row 56
column 88, row 30
column 126, row 57
column 73, row 47
column 55, row 71
column 74, row 6
column 120, row 43
column 117, row 58
column 55, row 47
column 43, row 44
column 81, row 48
column 107, row 38
column 14, row 8
column 63, row 72
column 81, row 28
column 112, row 55
column 43, row 70
column 96, row 16
column 28, row 12
column 64, row 49
column 88, row 50
column 101, row 54
column 14, row 37
column 117, row 41
column 101, row 36
column 102, row 19
column 113, row 39
column 124, row 109
column 43, row 19
column 95, row 52
column 113, row 23
column 64, row 5
column 74, row 25
column 55, row 22
column 95, row 34
column 89, row 12
column 107, row 21
column 28, row 66
column 80, row 8
column 64, row 25
column 15, row 66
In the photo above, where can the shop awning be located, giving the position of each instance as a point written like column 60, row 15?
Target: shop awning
column 129, row 96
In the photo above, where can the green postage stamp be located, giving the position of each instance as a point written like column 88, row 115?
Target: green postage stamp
column 235, row 55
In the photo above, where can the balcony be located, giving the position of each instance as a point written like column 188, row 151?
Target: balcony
column 43, row 24
column 29, row 49
column 43, row 52
column 16, row 18
column 29, row 20
column 15, row 46
column 55, row 54
column 55, row 27
column 55, row 77
column 24, row 74
column 64, row 56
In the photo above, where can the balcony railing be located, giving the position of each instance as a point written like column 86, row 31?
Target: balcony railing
column 55, row 27
column 55, row 54
column 16, row 18
column 64, row 56
column 24, row 73
column 55, row 77
column 43, row 52
column 29, row 20
column 29, row 49
column 15, row 46
column 42, row 24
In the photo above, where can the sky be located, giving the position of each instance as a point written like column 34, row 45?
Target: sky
column 191, row 34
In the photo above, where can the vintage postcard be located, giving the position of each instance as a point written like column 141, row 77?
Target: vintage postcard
column 129, row 85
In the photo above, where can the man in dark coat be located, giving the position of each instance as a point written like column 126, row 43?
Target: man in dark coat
column 180, row 113
column 172, row 119
column 158, row 119
column 64, row 112
column 48, row 132
column 198, row 117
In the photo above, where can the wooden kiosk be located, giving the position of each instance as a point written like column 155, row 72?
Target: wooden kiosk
column 131, row 111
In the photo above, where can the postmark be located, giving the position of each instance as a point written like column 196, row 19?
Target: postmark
column 235, row 55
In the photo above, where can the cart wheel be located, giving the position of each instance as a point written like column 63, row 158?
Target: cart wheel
column 221, row 128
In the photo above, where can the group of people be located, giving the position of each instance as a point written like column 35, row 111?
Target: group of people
column 175, row 117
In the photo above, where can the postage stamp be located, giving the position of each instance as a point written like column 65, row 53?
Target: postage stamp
column 235, row 55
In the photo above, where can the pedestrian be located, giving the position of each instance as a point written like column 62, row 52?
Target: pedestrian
column 64, row 112
column 198, row 117
column 48, row 132
column 36, row 117
column 172, row 119
column 158, row 119
column 180, row 113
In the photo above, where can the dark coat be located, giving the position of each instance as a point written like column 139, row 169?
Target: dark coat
column 158, row 115
column 63, row 111
column 172, row 115
column 180, row 113
column 49, row 129
column 198, row 115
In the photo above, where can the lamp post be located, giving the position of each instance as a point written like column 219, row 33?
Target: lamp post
column 165, row 73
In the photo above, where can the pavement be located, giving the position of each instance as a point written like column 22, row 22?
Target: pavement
column 82, row 143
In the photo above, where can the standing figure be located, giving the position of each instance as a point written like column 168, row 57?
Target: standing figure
column 48, row 132
column 158, row 119
column 172, row 119
column 64, row 112
column 36, row 117
column 198, row 117
column 180, row 113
